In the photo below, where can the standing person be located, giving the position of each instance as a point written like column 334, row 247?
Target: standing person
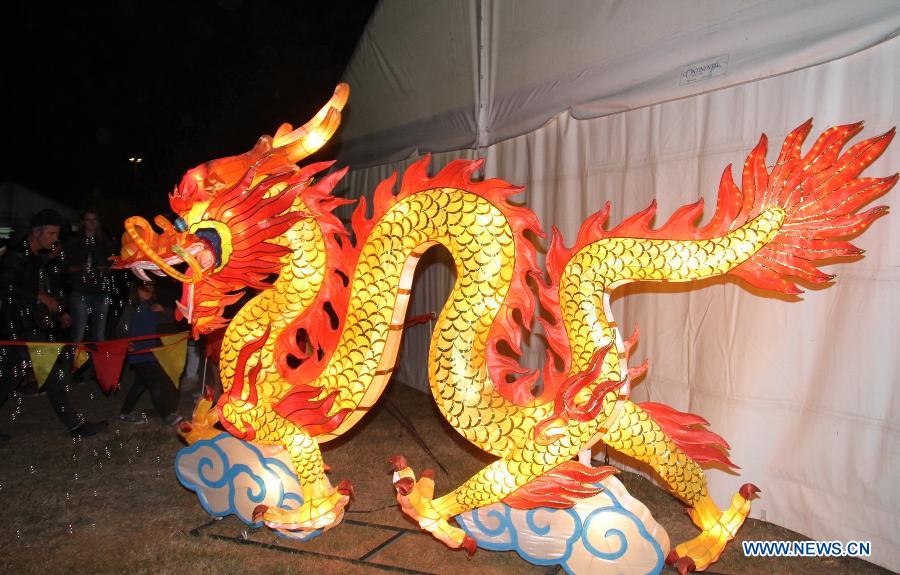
column 88, row 273
column 33, row 311
column 144, row 316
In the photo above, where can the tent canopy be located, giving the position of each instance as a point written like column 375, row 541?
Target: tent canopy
column 433, row 76
column 18, row 203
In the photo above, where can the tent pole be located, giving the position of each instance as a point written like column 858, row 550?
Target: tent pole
column 483, row 13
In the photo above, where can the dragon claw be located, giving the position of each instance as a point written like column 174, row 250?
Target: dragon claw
column 405, row 485
column 398, row 462
column 672, row 557
column 202, row 425
column 258, row 512
column 322, row 511
column 748, row 490
column 685, row 565
column 717, row 529
column 416, row 501
column 346, row 488
column 470, row 546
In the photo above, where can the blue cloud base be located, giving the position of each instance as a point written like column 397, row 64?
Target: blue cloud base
column 609, row 533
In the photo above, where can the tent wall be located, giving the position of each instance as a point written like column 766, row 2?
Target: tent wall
column 807, row 392
column 433, row 75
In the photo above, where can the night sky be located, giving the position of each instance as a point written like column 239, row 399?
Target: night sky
column 88, row 85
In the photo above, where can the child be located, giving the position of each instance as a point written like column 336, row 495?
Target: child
column 143, row 316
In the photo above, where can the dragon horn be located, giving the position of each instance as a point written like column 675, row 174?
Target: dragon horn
column 293, row 146
column 288, row 146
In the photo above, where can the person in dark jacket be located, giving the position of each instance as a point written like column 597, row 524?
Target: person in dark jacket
column 33, row 311
column 144, row 316
column 89, row 280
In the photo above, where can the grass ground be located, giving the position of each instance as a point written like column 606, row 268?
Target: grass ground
column 111, row 503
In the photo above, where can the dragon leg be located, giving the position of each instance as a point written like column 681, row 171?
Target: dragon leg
column 637, row 434
column 202, row 424
column 527, row 475
column 323, row 505
column 489, row 485
column 416, row 501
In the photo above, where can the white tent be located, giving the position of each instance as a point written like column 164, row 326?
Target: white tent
column 631, row 101
column 18, row 203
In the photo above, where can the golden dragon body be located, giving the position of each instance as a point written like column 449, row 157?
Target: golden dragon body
column 304, row 360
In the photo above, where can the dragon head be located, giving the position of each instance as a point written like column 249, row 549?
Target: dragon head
column 231, row 216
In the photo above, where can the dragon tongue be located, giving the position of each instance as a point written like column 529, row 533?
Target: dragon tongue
column 185, row 306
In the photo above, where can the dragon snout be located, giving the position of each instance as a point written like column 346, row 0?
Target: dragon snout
column 144, row 249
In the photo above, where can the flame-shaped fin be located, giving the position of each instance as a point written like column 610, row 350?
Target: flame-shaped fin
column 249, row 382
column 690, row 434
column 569, row 403
column 560, row 487
column 302, row 407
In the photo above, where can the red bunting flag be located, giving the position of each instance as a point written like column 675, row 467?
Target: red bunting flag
column 108, row 360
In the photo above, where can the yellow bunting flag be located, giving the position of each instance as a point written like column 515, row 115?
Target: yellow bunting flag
column 43, row 356
column 82, row 354
column 171, row 356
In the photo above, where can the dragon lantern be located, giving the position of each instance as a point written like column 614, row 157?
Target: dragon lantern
column 258, row 221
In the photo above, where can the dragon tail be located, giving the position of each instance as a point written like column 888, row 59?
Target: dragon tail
column 819, row 193
column 772, row 228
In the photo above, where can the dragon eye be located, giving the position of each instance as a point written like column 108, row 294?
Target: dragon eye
column 181, row 225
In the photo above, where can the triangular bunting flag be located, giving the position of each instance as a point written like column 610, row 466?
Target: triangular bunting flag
column 171, row 356
column 43, row 356
column 108, row 360
column 82, row 354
